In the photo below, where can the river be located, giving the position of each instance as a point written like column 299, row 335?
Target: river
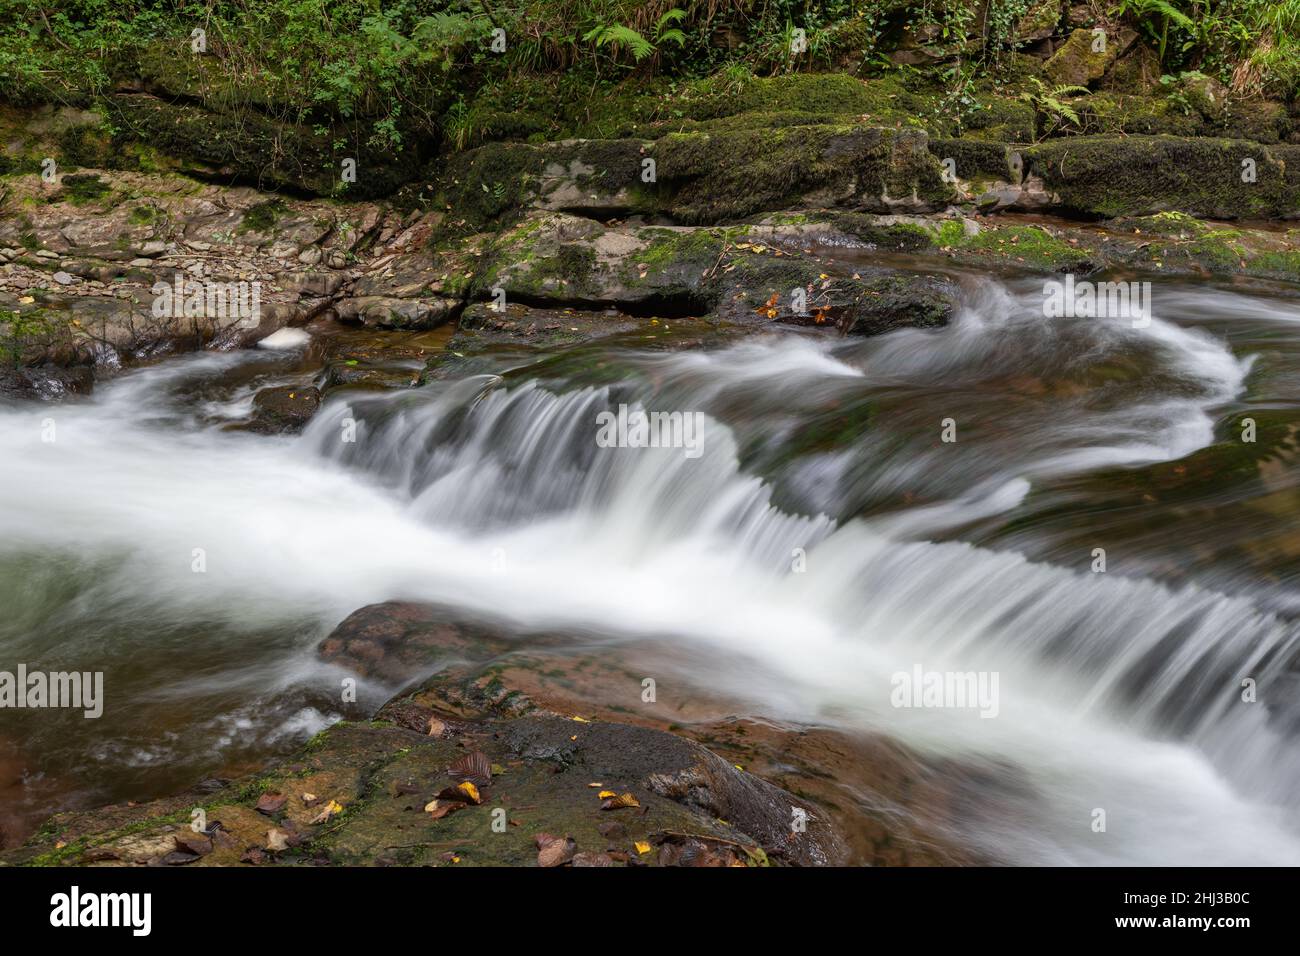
column 825, row 539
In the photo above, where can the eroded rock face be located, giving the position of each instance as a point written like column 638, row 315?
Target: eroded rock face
column 704, row 177
column 758, row 274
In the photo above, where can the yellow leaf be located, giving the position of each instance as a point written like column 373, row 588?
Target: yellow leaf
column 642, row 846
column 27, row 299
column 582, row 720
column 331, row 808
column 606, row 793
column 470, row 791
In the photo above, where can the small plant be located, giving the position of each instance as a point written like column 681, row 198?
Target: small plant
column 622, row 37
column 1050, row 103
column 1146, row 13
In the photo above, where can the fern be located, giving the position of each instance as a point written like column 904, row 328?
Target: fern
column 1051, row 103
column 664, row 33
column 617, row 35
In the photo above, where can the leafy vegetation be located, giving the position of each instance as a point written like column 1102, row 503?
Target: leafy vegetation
column 397, row 75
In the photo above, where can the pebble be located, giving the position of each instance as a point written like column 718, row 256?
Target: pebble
column 46, row 254
column 63, row 278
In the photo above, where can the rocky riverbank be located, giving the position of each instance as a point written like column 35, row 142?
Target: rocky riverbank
column 514, row 754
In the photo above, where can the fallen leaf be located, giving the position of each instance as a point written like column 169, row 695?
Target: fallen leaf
column 465, row 792
column 437, row 809
column 606, row 793
column 621, row 801
column 556, row 852
column 436, row 727
column 612, row 830
column 332, row 808
column 472, row 767
column 269, row 803
column 276, row 841
column 642, row 847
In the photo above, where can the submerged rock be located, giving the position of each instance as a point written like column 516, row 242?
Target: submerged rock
column 284, row 408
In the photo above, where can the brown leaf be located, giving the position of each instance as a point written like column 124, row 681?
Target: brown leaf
column 276, row 841
column 464, row 792
column 436, row 727
column 620, row 801
column 195, row 844
column 613, row 830
column 474, row 767
column 557, row 852
column 270, row 803
column 592, row 859
column 437, row 809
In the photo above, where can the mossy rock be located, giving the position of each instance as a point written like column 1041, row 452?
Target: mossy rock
column 1112, row 113
column 1076, row 63
column 729, row 176
column 251, row 148
column 1138, row 175
column 1000, row 119
column 977, row 159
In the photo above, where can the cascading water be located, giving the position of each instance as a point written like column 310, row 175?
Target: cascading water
column 490, row 494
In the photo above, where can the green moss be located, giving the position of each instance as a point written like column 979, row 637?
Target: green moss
column 976, row 160
column 998, row 119
column 143, row 215
column 1170, row 224
column 1136, row 115
column 81, row 190
column 263, row 216
column 1076, row 63
column 1217, row 251
column 1030, row 244
column 1139, row 175
column 727, row 176
column 899, row 237
column 1276, row 265
column 950, row 233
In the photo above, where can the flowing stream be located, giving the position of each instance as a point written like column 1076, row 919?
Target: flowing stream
column 825, row 539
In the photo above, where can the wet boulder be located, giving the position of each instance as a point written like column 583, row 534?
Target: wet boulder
column 284, row 408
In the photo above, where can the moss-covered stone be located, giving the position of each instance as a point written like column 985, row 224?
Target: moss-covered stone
column 1138, row 175
column 1076, row 63
column 728, row 176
